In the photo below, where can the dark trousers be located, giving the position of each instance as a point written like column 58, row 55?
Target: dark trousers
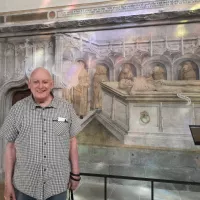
column 22, row 196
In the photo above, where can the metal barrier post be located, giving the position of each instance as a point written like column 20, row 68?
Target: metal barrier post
column 105, row 188
column 152, row 190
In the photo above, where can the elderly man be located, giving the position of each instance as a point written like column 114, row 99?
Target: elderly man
column 41, row 155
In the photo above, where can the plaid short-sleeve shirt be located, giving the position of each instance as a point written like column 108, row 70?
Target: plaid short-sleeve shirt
column 42, row 138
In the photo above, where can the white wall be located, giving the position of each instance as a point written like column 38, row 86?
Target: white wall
column 18, row 5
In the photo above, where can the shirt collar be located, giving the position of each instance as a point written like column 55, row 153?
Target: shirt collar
column 53, row 104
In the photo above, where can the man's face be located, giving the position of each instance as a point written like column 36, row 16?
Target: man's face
column 40, row 85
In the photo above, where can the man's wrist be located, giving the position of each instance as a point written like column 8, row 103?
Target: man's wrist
column 8, row 182
column 75, row 177
column 74, row 174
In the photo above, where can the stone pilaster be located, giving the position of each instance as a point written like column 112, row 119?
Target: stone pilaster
column 34, row 55
column 46, row 54
column 57, row 70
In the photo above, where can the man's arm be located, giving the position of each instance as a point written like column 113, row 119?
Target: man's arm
column 73, row 157
column 10, row 157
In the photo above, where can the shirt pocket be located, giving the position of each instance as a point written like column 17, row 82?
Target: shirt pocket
column 60, row 128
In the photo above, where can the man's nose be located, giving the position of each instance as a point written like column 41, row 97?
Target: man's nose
column 40, row 85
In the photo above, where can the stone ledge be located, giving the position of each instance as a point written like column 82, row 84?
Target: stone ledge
column 148, row 96
column 106, row 22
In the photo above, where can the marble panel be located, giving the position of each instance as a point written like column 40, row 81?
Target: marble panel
column 120, row 114
column 137, row 125
column 177, row 119
column 107, row 104
column 197, row 115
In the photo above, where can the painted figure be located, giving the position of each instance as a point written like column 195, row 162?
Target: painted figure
column 187, row 72
column 99, row 76
column 159, row 73
column 126, row 76
column 80, row 92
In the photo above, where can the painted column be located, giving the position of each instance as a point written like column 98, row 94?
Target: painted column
column 1, row 66
column 5, row 61
column 34, row 56
column 17, row 73
column 57, row 71
column 46, row 54
column 182, row 46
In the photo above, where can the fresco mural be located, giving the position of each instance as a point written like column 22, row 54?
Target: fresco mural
column 128, row 61
column 160, row 53
column 126, row 78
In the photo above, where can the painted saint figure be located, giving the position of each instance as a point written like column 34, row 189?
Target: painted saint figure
column 187, row 72
column 126, row 76
column 80, row 92
column 159, row 73
column 99, row 76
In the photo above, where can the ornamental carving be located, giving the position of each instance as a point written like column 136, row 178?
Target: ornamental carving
column 93, row 23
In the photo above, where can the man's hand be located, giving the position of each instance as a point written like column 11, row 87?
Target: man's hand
column 73, row 184
column 9, row 192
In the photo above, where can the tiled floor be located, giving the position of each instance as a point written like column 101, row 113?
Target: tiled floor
column 95, row 191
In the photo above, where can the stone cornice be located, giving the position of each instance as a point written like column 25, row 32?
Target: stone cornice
column 106, row 23
column 105, row 15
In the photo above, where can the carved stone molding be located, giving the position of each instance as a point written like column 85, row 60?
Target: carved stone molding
column 127, row 7
column 108, row 22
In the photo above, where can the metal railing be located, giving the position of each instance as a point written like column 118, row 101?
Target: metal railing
column 151, row 180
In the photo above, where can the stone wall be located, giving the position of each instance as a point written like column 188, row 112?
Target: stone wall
column 138, row 162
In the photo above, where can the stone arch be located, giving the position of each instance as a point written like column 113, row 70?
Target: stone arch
column 109, row 65
column 177, row 65
column 6, row 93
column 9, row 60
column 135, row 66
column 68, row 54
column 162, row 61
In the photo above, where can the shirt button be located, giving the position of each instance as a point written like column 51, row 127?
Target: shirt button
column 45, row 143
column 45, row 131
column 45, row 169
column 44, row 119
column 44, row 156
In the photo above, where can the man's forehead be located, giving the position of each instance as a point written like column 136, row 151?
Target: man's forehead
column 43, row 79
column 40, row 72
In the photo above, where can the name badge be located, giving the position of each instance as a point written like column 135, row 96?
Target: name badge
column 62, row 119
